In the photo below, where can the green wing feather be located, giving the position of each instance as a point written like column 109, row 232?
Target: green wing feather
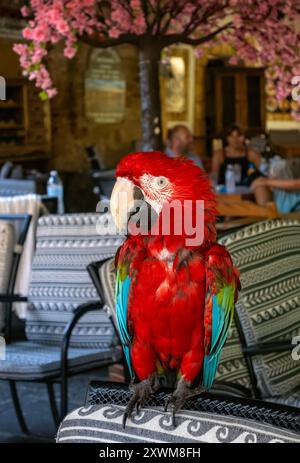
column 221, row 304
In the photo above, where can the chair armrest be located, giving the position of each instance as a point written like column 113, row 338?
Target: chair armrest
column 78, row 312
column 13, row 298
column 268, row 348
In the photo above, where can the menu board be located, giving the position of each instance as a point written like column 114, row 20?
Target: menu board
column 105, row 87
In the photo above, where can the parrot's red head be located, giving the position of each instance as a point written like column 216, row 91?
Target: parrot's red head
column 158, row 180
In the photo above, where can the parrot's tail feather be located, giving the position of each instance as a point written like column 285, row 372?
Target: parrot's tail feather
column 210, row 366
column 128, row 360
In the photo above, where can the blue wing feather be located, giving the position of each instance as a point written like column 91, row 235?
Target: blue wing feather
column 122, row 295
column 222, row 314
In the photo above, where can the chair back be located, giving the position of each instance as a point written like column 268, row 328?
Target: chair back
column 268, row 255
column 65, row 245
column 103, row 179
column 13, row 233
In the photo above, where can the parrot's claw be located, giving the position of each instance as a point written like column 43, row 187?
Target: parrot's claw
column 141, row 392
column 182, row 393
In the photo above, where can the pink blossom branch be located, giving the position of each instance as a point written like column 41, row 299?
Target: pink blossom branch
column 106, row 42
column 181, row 38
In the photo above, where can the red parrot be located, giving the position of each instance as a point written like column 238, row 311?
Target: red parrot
column 174, row 298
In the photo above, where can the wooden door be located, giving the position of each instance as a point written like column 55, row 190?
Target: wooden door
column 235, row 95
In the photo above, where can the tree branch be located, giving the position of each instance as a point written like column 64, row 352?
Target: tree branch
column 172, row 15
column 181, row 38
column 138, row 40
column 97, row 42
column 195, row 22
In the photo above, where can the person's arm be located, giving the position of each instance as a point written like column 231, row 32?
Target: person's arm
column 288, row 184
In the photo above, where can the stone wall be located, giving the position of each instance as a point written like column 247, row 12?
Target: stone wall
column 72, row 131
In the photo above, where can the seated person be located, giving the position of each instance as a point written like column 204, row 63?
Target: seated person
column 237, row 154
column 285, row 187
column 180, row 143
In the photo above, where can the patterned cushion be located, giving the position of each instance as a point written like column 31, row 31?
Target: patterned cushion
column 7, row 240
column 292, row 399
column 65, row 246
column 267, row 255
column 232, row 368
column 103, row 423
column 29, row 360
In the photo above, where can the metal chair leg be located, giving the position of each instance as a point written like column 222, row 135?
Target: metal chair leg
column 64, row 394
column 17, row 405
column 53, row 405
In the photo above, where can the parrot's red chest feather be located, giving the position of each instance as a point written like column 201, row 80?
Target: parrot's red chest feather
column 166, row 310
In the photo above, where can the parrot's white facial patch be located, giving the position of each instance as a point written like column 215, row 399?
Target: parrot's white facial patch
column 157, row 190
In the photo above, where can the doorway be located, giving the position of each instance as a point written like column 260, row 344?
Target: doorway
column 234, row 95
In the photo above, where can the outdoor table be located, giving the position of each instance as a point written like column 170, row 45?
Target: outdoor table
column 239, row 209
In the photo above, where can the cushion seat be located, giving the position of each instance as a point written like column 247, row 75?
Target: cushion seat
column 103, row 423
column 206, row 418
column 27, row 360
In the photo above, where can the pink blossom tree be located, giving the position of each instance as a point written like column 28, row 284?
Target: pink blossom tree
column 263, row 32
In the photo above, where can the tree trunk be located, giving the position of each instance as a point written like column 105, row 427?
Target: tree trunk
column 149, row 58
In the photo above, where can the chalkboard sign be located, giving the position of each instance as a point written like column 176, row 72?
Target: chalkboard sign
column 105, row 87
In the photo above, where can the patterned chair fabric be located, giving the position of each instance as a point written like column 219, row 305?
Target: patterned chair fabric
column 103, row 423
column 27, row 360
column 65, row 246
column 60, row 283
column 267, row 255
column 7, row 241
column 232, row 368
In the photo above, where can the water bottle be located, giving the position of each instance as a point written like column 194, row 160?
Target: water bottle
column 237, row 168
column 230, row 179
column 264, row 166
column 55, row 189
column 277, row 166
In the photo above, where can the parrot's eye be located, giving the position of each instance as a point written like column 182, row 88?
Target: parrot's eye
column 161, row 182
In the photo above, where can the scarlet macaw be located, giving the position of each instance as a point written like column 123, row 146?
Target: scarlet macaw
column 174, row 301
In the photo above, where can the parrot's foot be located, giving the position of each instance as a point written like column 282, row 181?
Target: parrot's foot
column 141, row 392
column 182, row 393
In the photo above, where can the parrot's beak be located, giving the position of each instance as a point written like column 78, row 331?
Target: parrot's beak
column 124, row 202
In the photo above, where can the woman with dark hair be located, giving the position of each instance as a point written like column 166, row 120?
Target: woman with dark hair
column 233, row 153
column 245, row 162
